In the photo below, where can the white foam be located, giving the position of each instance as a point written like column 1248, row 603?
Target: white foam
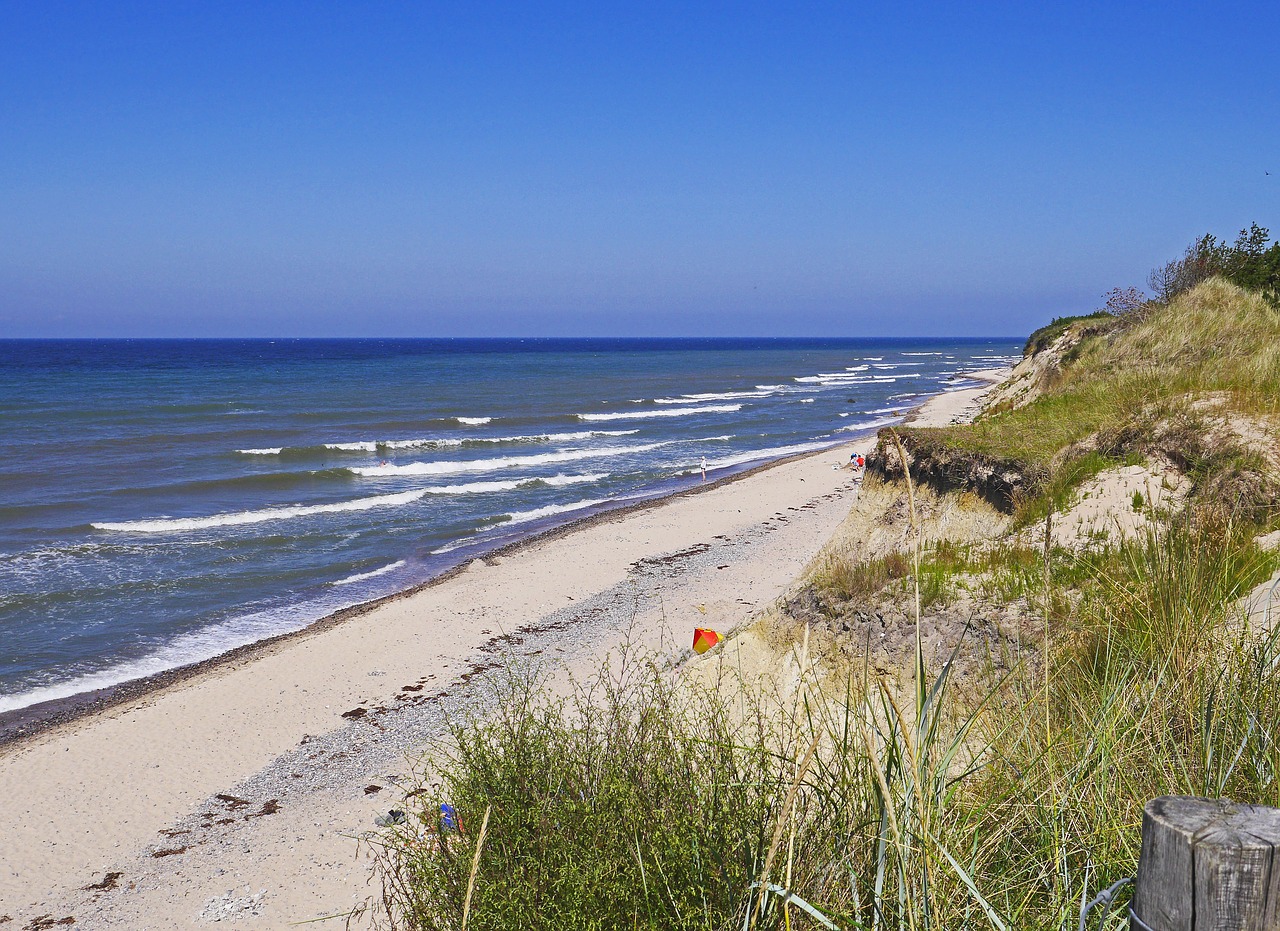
column 178, row 524
column 361, row 576
column 501, row 462
column 922, row 353
column 724, row 396
column 186, row 649
column 521, row 517
column 855, row 368
column 869, row 424
column 171, row 525
column 558, row 480
column 673, row 412
column 806, row 400
column 775, row 452
column 772, row 388
column 474, row 421
column 444, row 442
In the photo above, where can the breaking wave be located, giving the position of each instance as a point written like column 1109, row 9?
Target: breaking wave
column 501, row 462
column 438, row 442
column 361, row 576
column 673, row 412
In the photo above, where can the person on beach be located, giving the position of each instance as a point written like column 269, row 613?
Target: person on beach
column 704, row 468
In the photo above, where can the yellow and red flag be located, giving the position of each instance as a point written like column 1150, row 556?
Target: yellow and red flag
column 704, row 639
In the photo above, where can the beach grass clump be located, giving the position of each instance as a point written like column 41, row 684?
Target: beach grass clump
column 1159, row 689
column 624, row 805
column 841, row 577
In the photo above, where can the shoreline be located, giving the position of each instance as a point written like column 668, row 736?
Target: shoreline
column 20, row 724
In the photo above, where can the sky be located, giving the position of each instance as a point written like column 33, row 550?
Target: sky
column 558, row 169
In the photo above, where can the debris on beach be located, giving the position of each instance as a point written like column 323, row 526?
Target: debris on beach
column 230, row 906
column 394, row 816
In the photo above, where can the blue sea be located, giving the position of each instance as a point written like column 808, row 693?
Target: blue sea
column 162, row 502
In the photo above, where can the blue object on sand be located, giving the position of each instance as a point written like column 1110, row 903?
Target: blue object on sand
column 449, row 818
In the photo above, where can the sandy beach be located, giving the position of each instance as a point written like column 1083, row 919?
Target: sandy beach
column 239, row 793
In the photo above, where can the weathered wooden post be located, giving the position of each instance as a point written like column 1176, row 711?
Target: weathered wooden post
column 1207, row 865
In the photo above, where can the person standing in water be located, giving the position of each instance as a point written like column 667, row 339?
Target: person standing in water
column 704, row 468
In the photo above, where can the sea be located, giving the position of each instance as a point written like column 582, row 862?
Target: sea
column 165, row 501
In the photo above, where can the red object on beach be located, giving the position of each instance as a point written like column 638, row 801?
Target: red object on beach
column 704, row 639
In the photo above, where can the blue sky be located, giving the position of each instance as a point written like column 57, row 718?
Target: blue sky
column 426, row 169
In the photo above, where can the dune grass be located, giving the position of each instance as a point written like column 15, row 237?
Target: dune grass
column 1125, row 379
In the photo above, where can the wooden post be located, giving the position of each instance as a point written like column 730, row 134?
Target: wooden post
column 1208, row 865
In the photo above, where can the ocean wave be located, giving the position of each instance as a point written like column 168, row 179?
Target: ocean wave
column 439, row 442
column 474, row 421
column 723, row 396
column 921, row 353
column 446, row 467
column 361, row 576
column 869, row 424
column 240, row 518
column 837, row 380
column 187, row 649
column 169, row 525
column 775, row 452
column 521, row 517
column 806, row 401
column 673, row 412
column 480, row 488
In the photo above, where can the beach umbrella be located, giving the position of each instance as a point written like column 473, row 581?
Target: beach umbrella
column 704, row 639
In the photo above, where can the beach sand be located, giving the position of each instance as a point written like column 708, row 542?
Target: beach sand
column 239, row 793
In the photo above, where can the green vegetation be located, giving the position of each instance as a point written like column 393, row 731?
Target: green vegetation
column 1044, row 337
column 1132, row 389
column 627, row 805
column 1249, row 263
